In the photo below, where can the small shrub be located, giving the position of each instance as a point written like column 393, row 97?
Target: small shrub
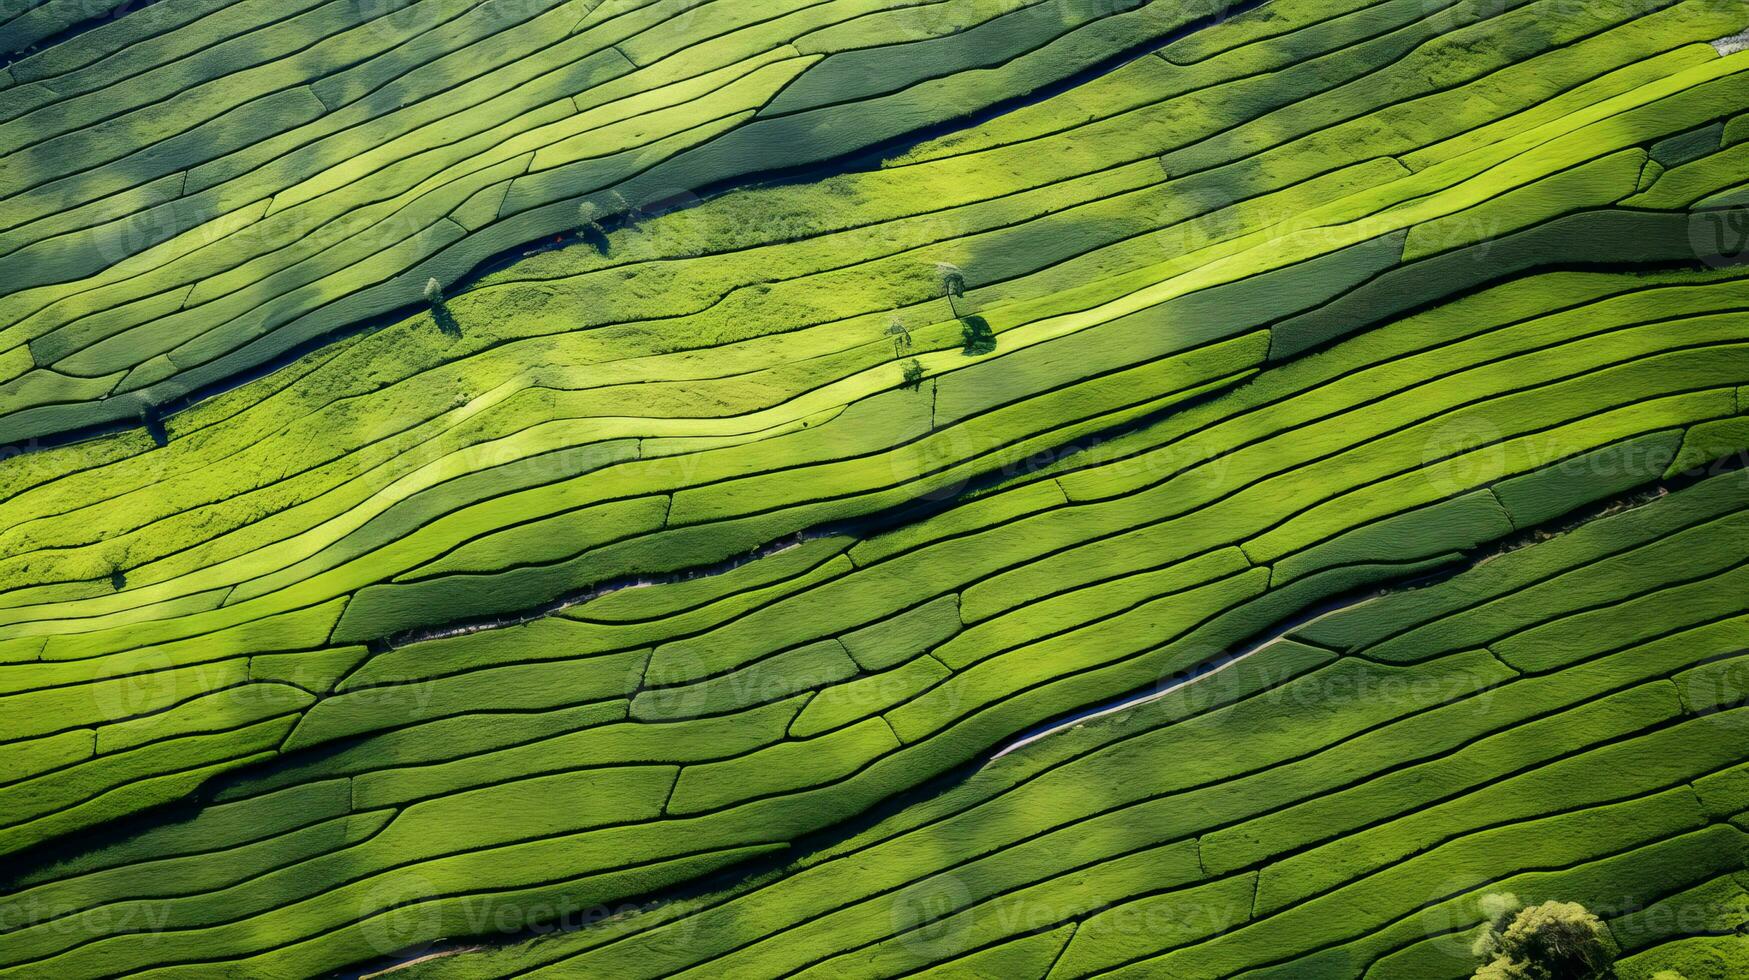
column 1551, row 941
column 978, row 336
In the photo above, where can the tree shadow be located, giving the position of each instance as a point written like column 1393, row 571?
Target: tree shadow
column 595, row 237
column 154, row 426
column 979, row 338
column 447, row 324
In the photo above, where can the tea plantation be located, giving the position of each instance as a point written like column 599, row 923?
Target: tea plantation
column 871, row 488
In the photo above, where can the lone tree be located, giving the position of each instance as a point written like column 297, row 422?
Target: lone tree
column 589, row 227
column 440, row 309
column 953, row 285
column 1551, row 941
column 115, row 558
column 901, row 337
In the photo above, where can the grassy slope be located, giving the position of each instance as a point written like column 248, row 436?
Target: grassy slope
column 259, row 178
column 1156, row 251
column 1331, row 807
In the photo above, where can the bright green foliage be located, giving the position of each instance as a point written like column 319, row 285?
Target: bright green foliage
column 1551, row 941
column 1234, row 493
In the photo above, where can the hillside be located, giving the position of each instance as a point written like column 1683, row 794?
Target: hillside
column 984, row 488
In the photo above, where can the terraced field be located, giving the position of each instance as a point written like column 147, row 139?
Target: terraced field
column 977, row 488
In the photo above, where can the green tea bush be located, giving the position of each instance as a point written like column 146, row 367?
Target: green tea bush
column 1551, row 941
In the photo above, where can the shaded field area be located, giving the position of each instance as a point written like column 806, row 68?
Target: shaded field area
column 973, row 488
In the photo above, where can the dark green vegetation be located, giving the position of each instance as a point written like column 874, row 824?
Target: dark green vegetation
column 192, row 193
column 1338, row 804
column 1542, row 942
column 709, row 562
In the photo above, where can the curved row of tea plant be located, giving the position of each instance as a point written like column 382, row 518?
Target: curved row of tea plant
column 908, row 463
column 525, row 487
column 1565, row 721
column 193, row 191
column 728, row 715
